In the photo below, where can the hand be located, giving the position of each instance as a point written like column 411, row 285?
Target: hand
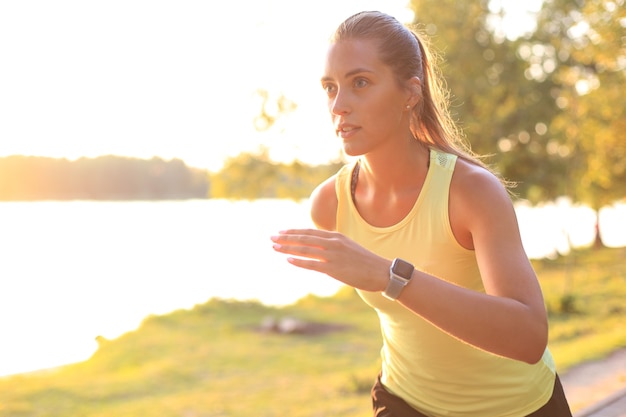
column 335, row 255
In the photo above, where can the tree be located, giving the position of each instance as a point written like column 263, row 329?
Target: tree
column 251, row 176
column 503, row 112
column 589, row 49
column 549, row 105
column 272, row 109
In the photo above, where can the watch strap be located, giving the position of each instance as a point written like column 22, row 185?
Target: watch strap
column 400, row 274
column 394, row 287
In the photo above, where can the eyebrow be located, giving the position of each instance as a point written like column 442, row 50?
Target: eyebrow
column 349, row 73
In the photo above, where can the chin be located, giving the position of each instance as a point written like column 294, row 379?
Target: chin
column 352, row 150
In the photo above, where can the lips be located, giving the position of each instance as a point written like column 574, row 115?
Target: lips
column 346, row 130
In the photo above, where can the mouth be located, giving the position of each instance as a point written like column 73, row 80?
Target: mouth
column 344, row 131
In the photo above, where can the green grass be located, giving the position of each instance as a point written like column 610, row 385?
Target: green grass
column 585, row 294
column 214, row 361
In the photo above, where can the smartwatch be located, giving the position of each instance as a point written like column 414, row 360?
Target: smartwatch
column 400, row 274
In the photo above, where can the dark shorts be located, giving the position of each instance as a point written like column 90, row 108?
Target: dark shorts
column 388, row 405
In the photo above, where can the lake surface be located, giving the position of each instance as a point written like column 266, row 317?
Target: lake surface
column 72, row 271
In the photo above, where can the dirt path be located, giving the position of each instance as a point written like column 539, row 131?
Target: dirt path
column 591, row 382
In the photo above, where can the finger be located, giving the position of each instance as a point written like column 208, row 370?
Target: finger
column 311, row 265
column 310, row 252
column 300, row 240
column 307, row 232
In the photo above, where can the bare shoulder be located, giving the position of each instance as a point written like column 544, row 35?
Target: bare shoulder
column 479, row 202
column 472, row 182
column 324, row 205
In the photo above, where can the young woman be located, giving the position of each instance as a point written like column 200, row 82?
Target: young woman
column 428, row 237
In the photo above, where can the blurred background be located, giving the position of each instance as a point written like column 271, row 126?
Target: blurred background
column 148, row 149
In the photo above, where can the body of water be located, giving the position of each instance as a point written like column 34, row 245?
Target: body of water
column 72, row 271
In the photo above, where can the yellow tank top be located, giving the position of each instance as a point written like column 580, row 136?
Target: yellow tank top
column 434, row 372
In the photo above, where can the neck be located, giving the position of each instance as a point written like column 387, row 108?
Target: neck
column 397, row 170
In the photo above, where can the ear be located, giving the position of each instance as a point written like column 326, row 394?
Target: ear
column 414, row 89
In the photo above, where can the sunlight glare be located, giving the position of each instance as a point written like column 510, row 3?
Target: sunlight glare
column 168, row 79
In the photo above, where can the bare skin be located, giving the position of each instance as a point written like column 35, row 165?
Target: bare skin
column 369, row 110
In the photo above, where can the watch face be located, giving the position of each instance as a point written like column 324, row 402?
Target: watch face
column 402, row 268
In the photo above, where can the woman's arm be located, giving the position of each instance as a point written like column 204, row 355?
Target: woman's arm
column 509, row 320
column 324, row 205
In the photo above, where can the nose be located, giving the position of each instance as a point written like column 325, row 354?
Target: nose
column 338, row 104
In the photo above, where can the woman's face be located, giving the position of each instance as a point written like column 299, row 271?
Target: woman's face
column 366, row 104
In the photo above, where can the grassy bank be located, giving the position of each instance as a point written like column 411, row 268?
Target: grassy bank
column 222, row 359
column 585, row 293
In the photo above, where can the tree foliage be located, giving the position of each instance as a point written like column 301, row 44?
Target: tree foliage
column 585, row 42
column 271, row 109
column 548, row 106
column 501, row 112
column 251, row 176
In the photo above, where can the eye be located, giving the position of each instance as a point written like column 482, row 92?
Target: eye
column 329, row 88
column 360, row 82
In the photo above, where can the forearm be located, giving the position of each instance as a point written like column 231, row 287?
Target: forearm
column 500, row 325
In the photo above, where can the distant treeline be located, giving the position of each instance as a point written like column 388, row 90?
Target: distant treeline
column 102, row 178
column 247, row 176
column 254, row 175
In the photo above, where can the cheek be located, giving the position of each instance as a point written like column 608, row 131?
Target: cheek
column 387, row 116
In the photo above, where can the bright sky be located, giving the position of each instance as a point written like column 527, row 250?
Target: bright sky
column 174, row 79
column 171, row 79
